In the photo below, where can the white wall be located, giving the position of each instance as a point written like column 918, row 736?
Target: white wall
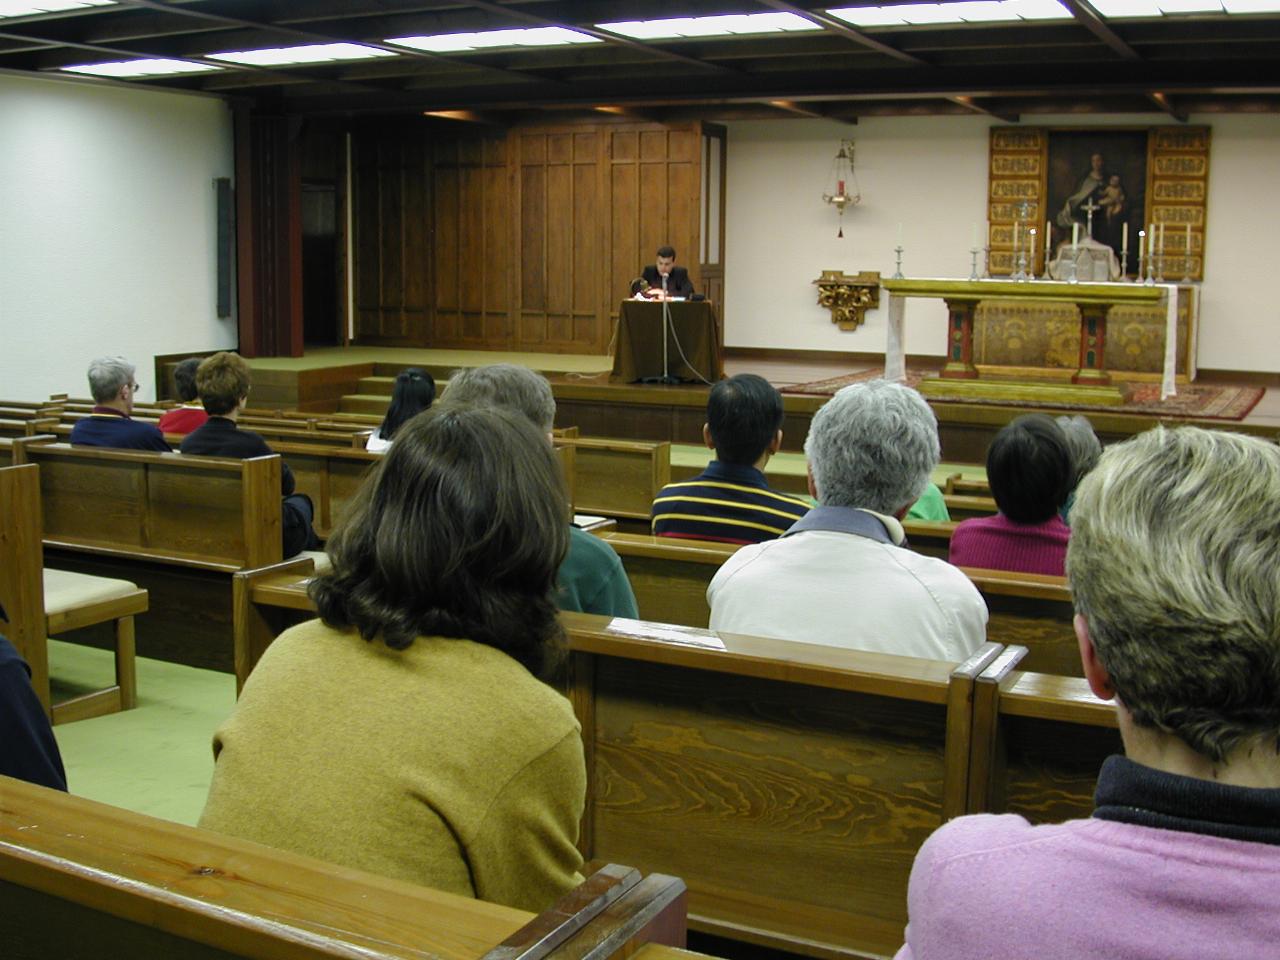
column 930, row 174
column 107, row 230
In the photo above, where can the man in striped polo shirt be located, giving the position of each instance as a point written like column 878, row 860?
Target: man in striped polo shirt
column 731, row 501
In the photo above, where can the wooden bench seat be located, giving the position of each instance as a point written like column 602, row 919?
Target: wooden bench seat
column 81, row 879
column 41, row 602
column 176, row 526
column 618, row 478
column 788, row 784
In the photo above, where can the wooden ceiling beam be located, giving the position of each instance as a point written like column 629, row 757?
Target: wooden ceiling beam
column 969, row 103
column 1093, row 21
column 1165, row 104
column 842, row 29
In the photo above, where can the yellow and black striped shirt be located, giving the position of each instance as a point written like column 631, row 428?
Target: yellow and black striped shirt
column 726, row 502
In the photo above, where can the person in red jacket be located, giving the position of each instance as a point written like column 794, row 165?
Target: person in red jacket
column 182, row 420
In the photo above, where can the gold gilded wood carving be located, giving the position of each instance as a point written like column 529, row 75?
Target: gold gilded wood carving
column 848, row 297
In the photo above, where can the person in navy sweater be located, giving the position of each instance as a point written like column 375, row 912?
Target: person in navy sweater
column 113, row 385
column 27, row 748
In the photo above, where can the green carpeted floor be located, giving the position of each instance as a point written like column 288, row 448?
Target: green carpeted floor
column 155, row 759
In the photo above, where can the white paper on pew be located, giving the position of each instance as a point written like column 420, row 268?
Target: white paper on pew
column 652, row 632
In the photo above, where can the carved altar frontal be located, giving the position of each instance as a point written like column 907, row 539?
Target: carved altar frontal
column 1035, row 338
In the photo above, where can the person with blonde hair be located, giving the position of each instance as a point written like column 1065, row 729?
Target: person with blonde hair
column 1173, row 561
column 222, row 382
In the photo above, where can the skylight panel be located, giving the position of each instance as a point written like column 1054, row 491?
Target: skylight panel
column 462, row 42
column 1126, row 8
column 25, row 8
column 728, row 25
column 308, row 53
column 1251, row 6
column 153, row 67
column 978, row 11
column 930, row 13
column 1190, row 6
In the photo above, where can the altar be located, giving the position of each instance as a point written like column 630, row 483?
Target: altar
column 1089, row 307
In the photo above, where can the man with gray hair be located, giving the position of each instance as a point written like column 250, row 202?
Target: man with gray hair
column 841, row 575
column 113, row 386
column 591, row 577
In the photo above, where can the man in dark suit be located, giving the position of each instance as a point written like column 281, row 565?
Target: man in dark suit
column 678, row 284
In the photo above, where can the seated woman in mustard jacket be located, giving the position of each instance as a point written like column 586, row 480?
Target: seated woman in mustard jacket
column 409, row 731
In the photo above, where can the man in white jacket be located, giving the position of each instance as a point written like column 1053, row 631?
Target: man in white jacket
column 841, row 575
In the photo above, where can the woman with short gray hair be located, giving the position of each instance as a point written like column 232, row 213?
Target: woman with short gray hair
column 1173, row 564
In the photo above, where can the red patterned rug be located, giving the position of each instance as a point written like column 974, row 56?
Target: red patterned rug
column 1207, row 401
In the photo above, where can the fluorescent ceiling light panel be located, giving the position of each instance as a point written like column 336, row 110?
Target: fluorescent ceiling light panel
column 729, row 25
column 1252, row 6
column 1126, row 8
column 1190, row 6
column 929, row 13
column 308, row 53
column 979, row 11
column 141, row 68
column 461, row 42
column 25, row 8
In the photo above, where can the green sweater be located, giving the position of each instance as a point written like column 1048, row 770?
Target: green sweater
column 446, row 764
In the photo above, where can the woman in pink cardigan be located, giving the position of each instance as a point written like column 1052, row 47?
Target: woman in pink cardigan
column 1030, row 471
column 1173, row 563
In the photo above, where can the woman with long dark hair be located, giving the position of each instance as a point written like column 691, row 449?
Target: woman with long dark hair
column 409, row 731
column 414, row 391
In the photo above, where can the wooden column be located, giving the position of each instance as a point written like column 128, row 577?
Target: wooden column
column 268, row 235
column 960, row 340
column 1093, row 342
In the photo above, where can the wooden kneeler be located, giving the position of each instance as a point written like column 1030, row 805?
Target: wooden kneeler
column 42, row 603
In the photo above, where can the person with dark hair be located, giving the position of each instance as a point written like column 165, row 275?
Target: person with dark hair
column 414, row 391
column 409, row 731
column 114, row 386
column 223, row 383
column 1172, row 563
column 663, row 280
column 731, row 500
column 591, row 577
column 28, row 750
column 1030, row 471
column 191, row 414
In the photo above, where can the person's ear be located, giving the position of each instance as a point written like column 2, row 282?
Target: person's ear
column 813, row 487
column 1094, row 671
column 706, row 436
column 776, row 443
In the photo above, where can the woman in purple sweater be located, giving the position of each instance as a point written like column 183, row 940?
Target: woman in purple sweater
column 1030, row 471
column 1173, row 563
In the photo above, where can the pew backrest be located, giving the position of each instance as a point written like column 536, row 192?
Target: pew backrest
column 81, row 878
column 203, row 512
column 618, row 478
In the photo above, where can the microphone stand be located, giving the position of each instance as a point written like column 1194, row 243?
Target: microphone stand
column 667, row 328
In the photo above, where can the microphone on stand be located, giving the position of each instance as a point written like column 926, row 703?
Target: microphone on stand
column 664, row 286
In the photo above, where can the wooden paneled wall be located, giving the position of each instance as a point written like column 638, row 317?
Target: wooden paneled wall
column 526, row 241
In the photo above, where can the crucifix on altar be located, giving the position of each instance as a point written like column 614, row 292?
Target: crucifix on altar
column 1088, row 208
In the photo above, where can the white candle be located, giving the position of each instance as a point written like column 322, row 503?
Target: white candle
column 1031, row 257
column 1151, row 238
column 1142, row 238
column 1124, row 237
column 1075, row 234
column 1017, row 233
column 1048, row 242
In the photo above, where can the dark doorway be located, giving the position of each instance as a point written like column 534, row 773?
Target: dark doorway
column 320, row 264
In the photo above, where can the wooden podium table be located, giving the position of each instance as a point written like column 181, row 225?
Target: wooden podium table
column 638, row 354
column 1095, row 301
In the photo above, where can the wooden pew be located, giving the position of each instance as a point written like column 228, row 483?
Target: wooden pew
column 176, row 526
column 330, row 476
column 1034, row 611
column 81, row 879
column 670, row 576
column 790, row 785
column 618, row 478
column 964, row 506
column 930, row 537
column 1039, row 741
